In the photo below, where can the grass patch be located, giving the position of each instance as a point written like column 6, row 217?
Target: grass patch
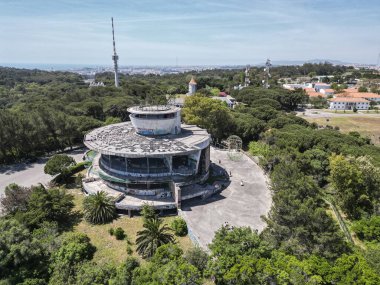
column 366, row 126
column 112, row 251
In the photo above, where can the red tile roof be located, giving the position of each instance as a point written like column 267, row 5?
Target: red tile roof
column 192, row 81
column 358, row 95
column 349, row 99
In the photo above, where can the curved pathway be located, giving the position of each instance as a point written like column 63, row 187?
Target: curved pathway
column 30, row 173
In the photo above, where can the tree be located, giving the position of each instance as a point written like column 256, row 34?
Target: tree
column 153, row 236
column 167, row 266
column 47, row 205
column 229, row 246
column 148, row 212
column 357, row 184
column 179, row 226
column 258, row 148
column 58, row 164
column 353, row 269
column 91, row 273
column 298, row 222
column 368, row 229
column 75, row 249
column 94, row 109
column 21, row 255
column 209, row 114
column 124, row 273
column 15, row 199
column 197, row 257
column 363, row 89
column 99, row 208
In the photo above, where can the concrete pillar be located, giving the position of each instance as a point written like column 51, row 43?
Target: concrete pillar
column 207, row 158
column 170, row 163
column 198, row 157
column 147, row 163
column 178, row 196
column 130, row 213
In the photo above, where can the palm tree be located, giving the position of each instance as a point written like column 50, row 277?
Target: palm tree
column 153, row 236
column 99, row 208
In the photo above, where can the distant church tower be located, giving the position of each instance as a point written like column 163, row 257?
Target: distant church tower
column 192, row 86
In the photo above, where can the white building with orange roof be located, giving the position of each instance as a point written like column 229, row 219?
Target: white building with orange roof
column 318, row 86
column 327, row 91
column 349, row 103
column 192, row 86
column 312, row 93
column 365, row 95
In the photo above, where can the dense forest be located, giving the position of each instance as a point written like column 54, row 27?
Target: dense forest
column 313, row 173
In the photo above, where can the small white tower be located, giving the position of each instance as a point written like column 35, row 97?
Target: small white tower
column 246, row 77
column 192, row 86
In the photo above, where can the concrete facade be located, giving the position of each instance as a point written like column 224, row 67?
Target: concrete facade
column 145, row 160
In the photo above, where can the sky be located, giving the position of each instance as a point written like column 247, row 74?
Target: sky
column 183, row 32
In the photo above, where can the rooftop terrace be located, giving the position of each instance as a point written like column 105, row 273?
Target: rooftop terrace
column 122, row 140
column 158, row 109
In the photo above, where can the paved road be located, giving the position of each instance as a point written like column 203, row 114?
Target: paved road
column 27, row 174
column 238, row 205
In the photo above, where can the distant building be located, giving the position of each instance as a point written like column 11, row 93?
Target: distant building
column 353, row 93
column 96, row 84
column 318, row 86
column 292, row 86
column 327, row 91
column 312, row 93
column 192, row 86
column 348, row 103
column 230, row 101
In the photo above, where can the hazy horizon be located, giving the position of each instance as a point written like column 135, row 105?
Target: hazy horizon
column 188, row 33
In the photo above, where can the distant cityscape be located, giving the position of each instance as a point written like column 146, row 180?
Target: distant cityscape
column 90, row 70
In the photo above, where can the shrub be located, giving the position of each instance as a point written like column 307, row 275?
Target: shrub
column 119, row 233
column 111, row 231
column 179, row 226
column 368, row 229
column 148, row 211
column 58, row 164
column 129, row 250
column 197, row 257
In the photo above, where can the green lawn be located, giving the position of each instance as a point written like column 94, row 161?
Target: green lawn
column 109, row 250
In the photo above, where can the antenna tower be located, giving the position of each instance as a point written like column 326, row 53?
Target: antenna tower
column 378, row 62
column 267, row 73
column 246, row 77
column 115, row 57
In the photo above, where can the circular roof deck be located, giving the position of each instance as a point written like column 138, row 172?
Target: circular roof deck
column 122, row 140
column 158, row 109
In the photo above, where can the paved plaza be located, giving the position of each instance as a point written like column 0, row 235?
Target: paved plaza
column 237, row 205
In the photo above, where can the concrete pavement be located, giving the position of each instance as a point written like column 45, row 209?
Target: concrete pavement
column 27, row 174
column 238, row 205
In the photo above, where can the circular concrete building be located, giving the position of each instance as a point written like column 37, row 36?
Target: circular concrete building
column 149, row 159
